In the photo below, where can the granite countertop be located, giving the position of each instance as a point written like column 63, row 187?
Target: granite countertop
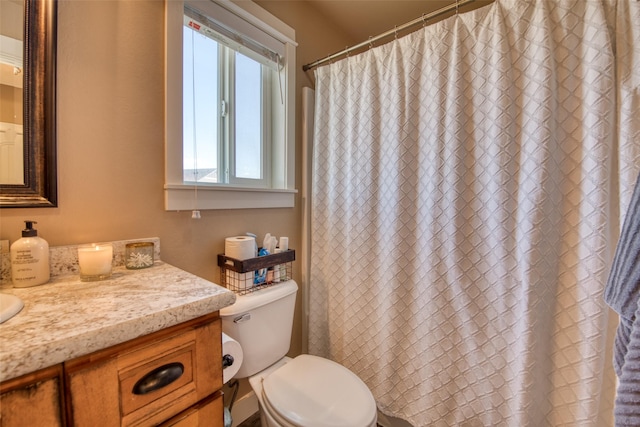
column 67, row 318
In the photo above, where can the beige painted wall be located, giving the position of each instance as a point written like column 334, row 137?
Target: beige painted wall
column 111, row 138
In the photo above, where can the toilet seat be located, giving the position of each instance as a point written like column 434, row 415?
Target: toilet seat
column 311, row 391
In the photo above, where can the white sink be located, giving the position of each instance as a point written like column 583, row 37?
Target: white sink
column 10, row 305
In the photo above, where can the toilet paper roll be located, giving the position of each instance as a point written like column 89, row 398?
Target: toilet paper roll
column 231, row 357
column 240, row 247
column 240, row 282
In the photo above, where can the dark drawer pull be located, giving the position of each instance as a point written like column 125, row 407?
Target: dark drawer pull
column 158, row 378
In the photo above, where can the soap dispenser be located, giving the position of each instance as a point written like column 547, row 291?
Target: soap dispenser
column 29, row 259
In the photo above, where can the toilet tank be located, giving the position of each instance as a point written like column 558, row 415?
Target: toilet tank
column 261, row 322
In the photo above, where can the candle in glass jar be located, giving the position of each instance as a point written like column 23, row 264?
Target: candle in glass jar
column 95, row 261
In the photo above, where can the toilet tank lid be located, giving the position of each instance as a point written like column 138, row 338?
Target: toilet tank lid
column 259, row 298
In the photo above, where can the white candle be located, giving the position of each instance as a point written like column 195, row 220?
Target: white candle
column 95, row 261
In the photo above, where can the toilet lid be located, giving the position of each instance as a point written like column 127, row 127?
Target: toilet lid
column 314, row 392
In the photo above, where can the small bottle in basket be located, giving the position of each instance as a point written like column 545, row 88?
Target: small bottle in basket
column 276, row 269
column 283, row 272
column 284, row 246
column 280, row 270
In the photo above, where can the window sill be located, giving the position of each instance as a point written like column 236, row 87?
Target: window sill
column 179, row 197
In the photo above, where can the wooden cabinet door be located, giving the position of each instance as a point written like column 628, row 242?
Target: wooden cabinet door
column 33, row 399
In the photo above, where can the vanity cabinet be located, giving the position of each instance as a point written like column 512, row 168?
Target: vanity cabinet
column 149, row 380
column 171, row 377
column 33, row 399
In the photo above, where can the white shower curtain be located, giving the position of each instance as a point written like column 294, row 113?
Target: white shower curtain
column 467, row 185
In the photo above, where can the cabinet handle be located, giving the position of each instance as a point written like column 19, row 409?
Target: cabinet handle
column 158, row 378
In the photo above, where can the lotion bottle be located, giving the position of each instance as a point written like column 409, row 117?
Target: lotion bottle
column 29, row 259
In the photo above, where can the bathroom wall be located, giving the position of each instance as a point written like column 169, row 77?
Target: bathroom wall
column 111, row 138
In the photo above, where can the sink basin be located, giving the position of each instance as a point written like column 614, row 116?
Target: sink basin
column 10, row 305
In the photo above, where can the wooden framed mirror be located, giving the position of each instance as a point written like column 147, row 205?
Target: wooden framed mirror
column 39, row 184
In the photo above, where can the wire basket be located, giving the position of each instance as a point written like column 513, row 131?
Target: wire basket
column 249, row 275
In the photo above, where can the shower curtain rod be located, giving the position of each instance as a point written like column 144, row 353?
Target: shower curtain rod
column 423, row 19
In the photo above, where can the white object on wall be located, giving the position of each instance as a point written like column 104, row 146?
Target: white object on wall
column 11, row 154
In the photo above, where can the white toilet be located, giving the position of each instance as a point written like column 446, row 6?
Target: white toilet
column 306, row 391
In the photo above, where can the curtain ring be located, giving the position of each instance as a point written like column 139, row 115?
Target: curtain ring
column 370, row 42
column 346, row 48
column 395, row 30
column 424, row 21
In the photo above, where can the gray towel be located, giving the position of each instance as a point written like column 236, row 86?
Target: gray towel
column 622, row 293
column 627, row 408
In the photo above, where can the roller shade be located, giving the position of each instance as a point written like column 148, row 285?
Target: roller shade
column 232, row 32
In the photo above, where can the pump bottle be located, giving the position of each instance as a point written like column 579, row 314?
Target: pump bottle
column 29, row 259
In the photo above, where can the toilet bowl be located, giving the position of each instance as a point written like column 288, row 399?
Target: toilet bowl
column 306, row 391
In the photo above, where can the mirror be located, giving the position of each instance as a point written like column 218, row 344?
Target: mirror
column 38, row 186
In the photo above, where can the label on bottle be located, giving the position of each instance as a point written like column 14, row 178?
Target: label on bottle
column 23, row 266
column 25, row 257
column 28, row 268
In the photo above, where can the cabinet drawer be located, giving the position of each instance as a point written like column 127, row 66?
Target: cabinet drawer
column 159, row 374
column 207, row 413
column 148, row 380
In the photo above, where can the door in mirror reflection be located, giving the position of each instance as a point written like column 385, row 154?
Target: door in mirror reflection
column 11, row 92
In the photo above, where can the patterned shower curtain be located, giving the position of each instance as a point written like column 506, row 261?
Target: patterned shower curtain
column 468, row 182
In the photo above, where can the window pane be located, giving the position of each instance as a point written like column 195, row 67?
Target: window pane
column 248, row 120
column 200, row 108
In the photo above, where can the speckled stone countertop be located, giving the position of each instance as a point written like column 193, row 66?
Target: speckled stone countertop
column 67, row 318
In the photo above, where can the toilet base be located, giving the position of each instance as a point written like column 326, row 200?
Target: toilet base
column 256, row 384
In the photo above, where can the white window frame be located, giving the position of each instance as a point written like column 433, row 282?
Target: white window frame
column 281, row 159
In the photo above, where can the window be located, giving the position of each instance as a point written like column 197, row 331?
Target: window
column 229, row 107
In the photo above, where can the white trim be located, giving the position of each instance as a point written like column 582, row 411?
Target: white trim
column 244, row 408
column 262, row 19
column 173, row 92
column 179, row 196
column 308, row 111
column 182, row 197
column 11, row 52
column 232, row 28
column 290, row 113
